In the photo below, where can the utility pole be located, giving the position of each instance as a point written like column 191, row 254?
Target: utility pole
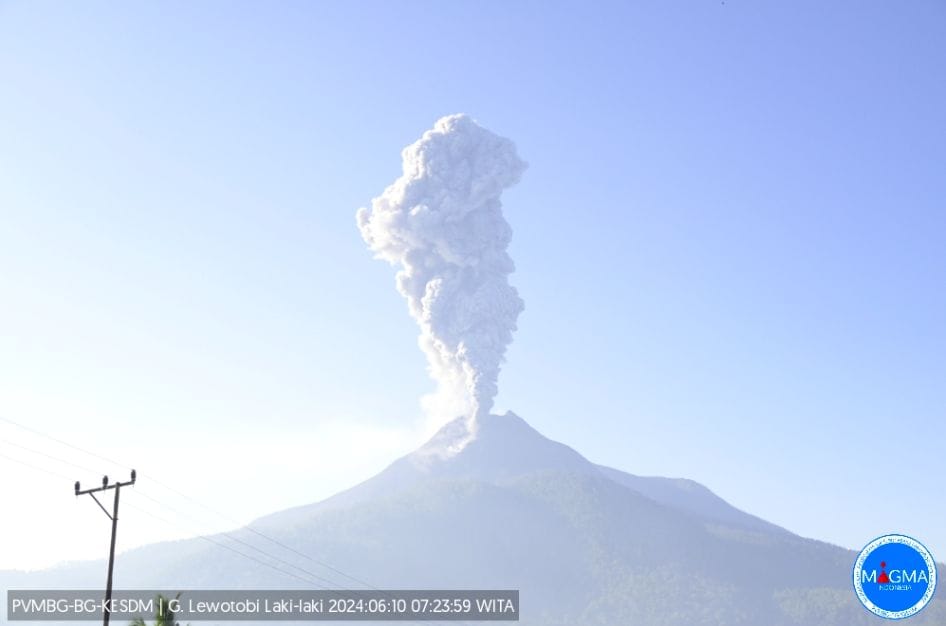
column 107, row 609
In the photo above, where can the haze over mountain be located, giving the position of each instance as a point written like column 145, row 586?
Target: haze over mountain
column 584, row 544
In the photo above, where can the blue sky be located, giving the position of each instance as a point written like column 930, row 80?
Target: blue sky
column 730, row 243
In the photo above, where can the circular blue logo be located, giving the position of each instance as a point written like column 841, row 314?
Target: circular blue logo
column 894, row 576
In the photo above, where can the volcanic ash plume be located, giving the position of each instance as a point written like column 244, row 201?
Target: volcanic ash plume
column 442, row 221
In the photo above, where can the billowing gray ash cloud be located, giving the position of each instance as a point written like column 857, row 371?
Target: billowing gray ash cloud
column 442, row 222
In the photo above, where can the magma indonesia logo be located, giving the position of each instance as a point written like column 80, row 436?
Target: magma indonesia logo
column 895, row 576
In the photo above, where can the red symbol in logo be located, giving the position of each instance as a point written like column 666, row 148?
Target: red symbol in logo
column 883, row 578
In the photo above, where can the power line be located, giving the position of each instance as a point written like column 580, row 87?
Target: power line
column 160, row 483
column 200, row 536
column 266, row 537
column 166, row 521
column 256, row 560
column 36, row 467
column 113, row 516
column 230, row 548
column 48, row 456
column 61, row 442
column 168, row 487
column 251, row 546
column 261, row 551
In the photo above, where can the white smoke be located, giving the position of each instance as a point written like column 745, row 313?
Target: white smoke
column 442, row 221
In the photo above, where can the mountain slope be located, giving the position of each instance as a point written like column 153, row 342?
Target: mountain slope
column 510, row 508
column 690, row 496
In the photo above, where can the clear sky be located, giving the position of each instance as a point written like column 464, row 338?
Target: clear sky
column 731, row 243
